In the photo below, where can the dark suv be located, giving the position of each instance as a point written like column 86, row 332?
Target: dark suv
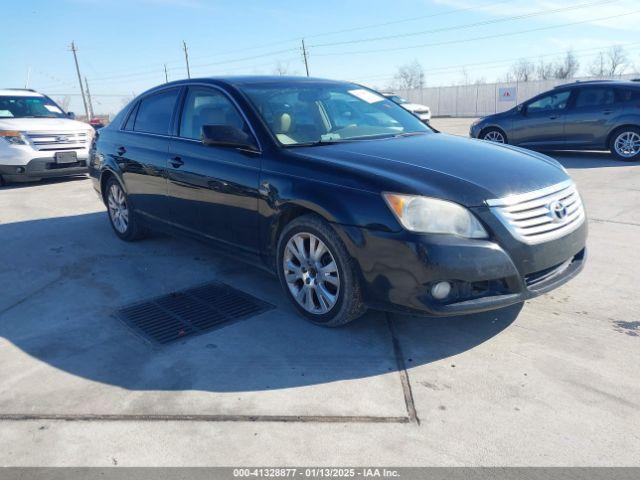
column 595, row 115
column 349, row 198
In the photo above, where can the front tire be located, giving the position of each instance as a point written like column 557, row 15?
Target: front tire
column 494, row 135
column 625, row 144
column 317, row 273
column 121, row 215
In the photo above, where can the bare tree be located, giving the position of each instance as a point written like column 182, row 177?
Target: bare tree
column 616, row 60
column 523, row 70
column 409, row 76
column 568, row 67
column 598, row 67
column 281, row 69
column 544, row 70
column 465, row 77
column 64, row 102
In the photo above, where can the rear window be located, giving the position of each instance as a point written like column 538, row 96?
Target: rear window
column 594, row 97
column 155, row 111
column 628, row 95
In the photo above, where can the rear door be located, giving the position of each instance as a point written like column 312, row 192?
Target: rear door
column 588, row 116
column 142, row 149
column 213, row 190
column 541, row 122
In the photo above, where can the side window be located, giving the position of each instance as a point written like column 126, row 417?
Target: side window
column 132, row 118
column 155, row 111
column 627, row 95
column 207, row 106
column 594, row 97
column 550, row 103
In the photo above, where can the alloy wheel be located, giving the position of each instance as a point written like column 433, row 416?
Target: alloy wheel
column 118, row 210
column 311, row 273
column 627, row 144
column 494, row 136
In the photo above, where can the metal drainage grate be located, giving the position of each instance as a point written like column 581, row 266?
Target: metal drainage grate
column 190, row 312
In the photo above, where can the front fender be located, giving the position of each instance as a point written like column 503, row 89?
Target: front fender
column 289, row 198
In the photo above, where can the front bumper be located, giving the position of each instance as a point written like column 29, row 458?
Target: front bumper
column 398, row 269
column 42, row 168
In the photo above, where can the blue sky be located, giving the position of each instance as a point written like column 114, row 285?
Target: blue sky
column 123, row 44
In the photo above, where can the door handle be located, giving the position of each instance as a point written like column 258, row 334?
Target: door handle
column 553, row 117
column 176, row 162
column 607, row 112
column 121, row 151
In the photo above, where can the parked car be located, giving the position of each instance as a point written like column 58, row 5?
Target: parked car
column 381, row 212
column 594, row 115
column 421, row 111
column 38, row 139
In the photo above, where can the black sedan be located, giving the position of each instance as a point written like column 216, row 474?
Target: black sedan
column 349, row 198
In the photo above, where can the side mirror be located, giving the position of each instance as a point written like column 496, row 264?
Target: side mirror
column 521, row 109
column 71, row 115
column 226, row 136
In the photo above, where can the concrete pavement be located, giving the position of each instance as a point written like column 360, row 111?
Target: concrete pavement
column 552, row 382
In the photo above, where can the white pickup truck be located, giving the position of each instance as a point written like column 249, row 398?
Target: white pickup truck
column 38, row 139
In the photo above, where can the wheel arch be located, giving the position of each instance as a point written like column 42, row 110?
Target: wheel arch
column 617, row 129
column 493, row 127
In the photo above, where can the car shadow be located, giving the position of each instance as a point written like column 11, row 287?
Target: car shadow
column 44, row 181
column 580, row 160
column 60, row 298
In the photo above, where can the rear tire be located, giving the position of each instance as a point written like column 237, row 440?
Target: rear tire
column 317, row 273
column 121, row 214
column 625, row 144
column 494, row 135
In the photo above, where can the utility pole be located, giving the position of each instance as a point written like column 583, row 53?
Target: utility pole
column 84, row 100
column 26, row 85
column 166, row 76
column 304, row 55
column 186, row 57
column 91, row 112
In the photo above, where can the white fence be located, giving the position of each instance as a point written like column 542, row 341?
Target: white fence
column 483, row 99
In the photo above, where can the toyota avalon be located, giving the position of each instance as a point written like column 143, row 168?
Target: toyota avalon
column 347, row 197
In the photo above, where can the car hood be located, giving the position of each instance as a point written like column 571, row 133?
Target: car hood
column 445, row 166
column 42, row 124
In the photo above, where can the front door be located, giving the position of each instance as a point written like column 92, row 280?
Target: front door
column 213, row 190
column 541, row 122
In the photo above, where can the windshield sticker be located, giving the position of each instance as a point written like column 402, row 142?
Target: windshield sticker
column 6, row 113
column 53, row 108
column 366, row 95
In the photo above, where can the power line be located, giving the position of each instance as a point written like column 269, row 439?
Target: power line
column 335, row 32
column 485, row 37
column 510, row 60
column 464, row 26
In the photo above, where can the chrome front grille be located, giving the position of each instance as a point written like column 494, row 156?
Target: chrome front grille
column 57, row 141
column 541, row 215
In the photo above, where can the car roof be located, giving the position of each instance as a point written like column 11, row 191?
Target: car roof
column 587, row 83
column 244, row 80
column 19, row 92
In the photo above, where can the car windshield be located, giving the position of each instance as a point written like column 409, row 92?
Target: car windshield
column 308, row 113
column 28, row 107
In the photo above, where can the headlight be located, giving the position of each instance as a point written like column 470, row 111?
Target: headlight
column 431, row 215
column 13, row 137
